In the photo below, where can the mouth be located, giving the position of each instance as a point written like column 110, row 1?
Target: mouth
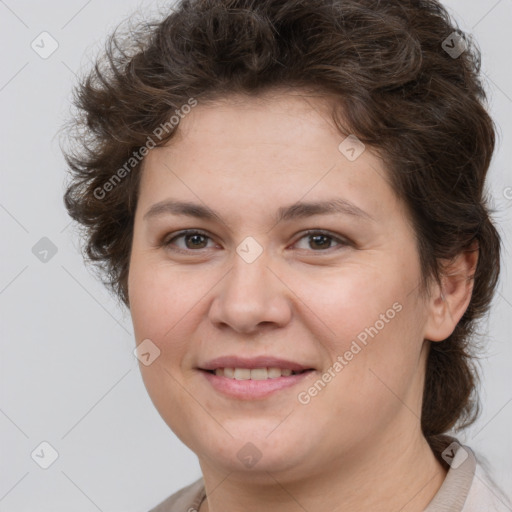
column 253, row 379
column 255, row 373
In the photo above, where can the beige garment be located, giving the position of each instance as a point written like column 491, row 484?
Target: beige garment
column 466, row 488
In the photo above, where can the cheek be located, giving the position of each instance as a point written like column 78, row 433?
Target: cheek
column 385, row 370
column 161, row 310
column 160, row 298
column 370, row 325
column 352, row 303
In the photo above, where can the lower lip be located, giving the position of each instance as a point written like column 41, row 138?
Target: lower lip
column 252, row 389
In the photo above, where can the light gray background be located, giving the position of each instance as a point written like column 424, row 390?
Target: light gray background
column 68, row 375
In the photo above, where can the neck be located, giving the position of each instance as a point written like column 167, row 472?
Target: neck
column 402, row 474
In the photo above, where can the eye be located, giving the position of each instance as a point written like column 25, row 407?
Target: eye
column 320, row 241
column 192, row 240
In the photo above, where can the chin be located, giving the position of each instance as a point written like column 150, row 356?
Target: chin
column 248, row 454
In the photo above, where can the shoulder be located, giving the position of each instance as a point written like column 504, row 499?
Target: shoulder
column 186, row 499
column 467, row 486
column 485, row 495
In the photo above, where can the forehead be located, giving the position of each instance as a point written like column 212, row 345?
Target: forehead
column 279, row 146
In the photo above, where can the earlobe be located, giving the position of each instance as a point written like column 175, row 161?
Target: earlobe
column 449, row 300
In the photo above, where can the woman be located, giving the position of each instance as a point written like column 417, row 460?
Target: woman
column 288, row 197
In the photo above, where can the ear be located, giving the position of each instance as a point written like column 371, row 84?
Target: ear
column 448, row 301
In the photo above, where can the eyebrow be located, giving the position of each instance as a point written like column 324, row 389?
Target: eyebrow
column 285, row 213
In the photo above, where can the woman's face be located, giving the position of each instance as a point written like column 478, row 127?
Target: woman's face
column 342, row 301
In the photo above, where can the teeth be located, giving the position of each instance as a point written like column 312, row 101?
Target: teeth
column 253, row 374
column 259, row 374
column 242, row 373
column 273, row 373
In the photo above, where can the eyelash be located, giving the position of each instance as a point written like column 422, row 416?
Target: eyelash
column 190, row 232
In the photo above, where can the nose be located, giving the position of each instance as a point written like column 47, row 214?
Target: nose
column 251, row 298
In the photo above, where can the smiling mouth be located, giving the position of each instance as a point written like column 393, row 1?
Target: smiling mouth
column 255, row 373
column 254, row 383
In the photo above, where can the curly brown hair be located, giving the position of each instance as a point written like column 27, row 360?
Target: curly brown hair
column 402, row 91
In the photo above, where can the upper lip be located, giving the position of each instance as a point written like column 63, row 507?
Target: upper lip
column 253, row 362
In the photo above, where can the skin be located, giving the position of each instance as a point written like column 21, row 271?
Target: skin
column 357, row 445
